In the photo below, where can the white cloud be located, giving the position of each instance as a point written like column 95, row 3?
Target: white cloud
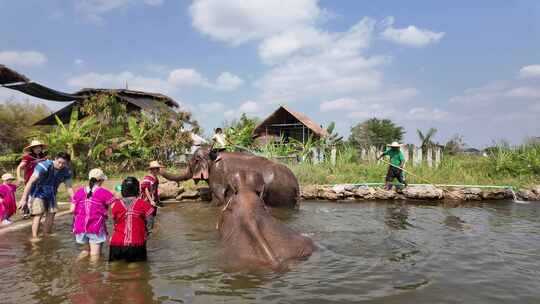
column 92, row 10
column 338, row 67
column 23, row 59
column 178, row 78
column 387, row 98
column 154, row 2
column 120, row 80
column 525, row 92
column 373, row 110
column 238, row 21
column 229, row 114
column 228, row 81
column 187, row 78
column 249, row 107
column 426, row 114
column 345, row 103
column 530, row 71
column 292, row 40
column 411, row 35
column 79, row 61
column 212, row 107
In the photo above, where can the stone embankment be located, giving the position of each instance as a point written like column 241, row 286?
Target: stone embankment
column 342, row 192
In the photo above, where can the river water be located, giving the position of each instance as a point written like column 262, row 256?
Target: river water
column 369, row 251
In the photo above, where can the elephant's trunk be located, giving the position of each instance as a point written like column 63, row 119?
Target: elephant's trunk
column 183, row 176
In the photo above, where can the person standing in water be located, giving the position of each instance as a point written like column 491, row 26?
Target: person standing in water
column 131, row 216
column 395, row 169
column 90, row 206
column 8, row 203
column 40, row 191
column 33, row 154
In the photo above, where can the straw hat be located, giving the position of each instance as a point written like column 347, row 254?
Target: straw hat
column 97, row 174
column 154, row 164
column 34, row 143
column 394, row 144
column 8, row 176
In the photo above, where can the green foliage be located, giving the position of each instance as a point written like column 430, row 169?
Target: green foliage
column 239, row 132
column 426, row 140
column 519, row 161
column 455, row 145
column 16, row 124
column 110, row 137
column 375, row 132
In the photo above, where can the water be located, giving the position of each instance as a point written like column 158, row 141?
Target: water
column 372, row 252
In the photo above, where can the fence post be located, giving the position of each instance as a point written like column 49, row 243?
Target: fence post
column 333, row 155
column 314, row 156
column 437, row 157
column 418, row 159
column 405, row 151
column 429, row 157
column 363, row 154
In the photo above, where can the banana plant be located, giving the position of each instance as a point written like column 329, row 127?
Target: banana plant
column 73, row 134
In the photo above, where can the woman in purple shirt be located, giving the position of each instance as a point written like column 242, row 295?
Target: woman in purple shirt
column 91, row 204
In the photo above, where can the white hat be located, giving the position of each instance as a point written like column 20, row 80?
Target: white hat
column 97, row 174
column 7, row 177
column 154, row 164
column 394, row 144
column 34, row 143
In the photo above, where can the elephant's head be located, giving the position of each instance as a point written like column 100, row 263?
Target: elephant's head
column 198, row 164
column 250, row 233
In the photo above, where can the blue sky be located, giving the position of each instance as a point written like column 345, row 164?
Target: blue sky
column 467, row 67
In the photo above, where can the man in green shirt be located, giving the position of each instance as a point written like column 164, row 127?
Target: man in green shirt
column 397, row 161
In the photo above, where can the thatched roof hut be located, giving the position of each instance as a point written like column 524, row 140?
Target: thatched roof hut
column 134, row 100
column 286, row 123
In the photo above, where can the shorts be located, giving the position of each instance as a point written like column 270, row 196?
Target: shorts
column 127, row 253
column 39, row 206
column 90, row 238
column 394, row 172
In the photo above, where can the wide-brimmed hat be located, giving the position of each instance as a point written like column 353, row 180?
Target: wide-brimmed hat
column 97, row 174
column 394, row 144
column 154, row 165
column 34, row 143
column 7, row 177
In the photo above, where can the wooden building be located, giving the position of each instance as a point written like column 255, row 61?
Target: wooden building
column 285, row 124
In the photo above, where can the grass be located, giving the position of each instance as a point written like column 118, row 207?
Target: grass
column 517, row 167
column 466, row 170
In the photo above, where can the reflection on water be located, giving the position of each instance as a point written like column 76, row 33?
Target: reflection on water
column 378, row 252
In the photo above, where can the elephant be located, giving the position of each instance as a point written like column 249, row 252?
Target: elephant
column 251, row 237
column 280, row 185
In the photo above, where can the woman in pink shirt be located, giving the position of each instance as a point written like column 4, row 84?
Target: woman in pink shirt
column 91, row 204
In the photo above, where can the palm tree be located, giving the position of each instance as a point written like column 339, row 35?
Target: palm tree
column 426, row 139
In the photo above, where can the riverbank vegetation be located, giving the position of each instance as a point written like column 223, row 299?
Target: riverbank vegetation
column 103, row 134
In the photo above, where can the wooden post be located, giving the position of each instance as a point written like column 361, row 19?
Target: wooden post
column 417, row 156
column 363, row 154
column 437, row 157
column 429, row 157
column 314, row 156
column 333, row 155
column 405, row 151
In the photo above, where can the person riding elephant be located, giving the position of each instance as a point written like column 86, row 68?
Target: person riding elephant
column 251, row 237
column 280, row 184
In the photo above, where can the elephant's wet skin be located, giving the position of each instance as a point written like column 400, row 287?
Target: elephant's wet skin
column 281, row 187
column 252, row 239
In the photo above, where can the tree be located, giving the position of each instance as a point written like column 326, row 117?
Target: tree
column 333, row 139
column 455, row 145
column 239, row 132
column 16, row 123
column 375, row 132
column 426, row 140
